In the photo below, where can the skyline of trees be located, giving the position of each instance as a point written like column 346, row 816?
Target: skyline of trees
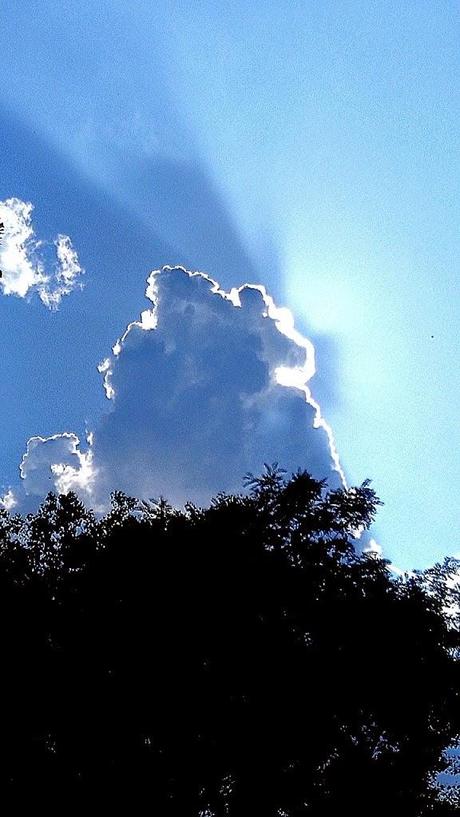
column 237, row 659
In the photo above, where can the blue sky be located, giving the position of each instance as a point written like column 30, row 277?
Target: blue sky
column 310, row 147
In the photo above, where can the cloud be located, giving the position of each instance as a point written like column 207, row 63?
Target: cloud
column 373, row 548
column 30, row 265
column 56, row 463
column 204, row 387
column 8, row 501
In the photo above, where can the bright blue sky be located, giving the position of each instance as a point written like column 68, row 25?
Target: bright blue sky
column 312, row 147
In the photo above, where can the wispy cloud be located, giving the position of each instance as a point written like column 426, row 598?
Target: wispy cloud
column 28, row 264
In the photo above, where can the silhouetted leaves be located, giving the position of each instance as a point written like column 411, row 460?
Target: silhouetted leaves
column 240, row 659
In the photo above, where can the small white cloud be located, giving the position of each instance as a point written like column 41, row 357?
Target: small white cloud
column 8, row 501
column 25, row 261
column 57, row 464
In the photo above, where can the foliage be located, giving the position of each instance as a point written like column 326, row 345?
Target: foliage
column 242, row 659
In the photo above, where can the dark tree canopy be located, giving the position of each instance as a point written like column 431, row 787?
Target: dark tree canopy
column 237, row 660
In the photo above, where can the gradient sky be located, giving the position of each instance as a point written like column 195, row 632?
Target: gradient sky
column 311, row 147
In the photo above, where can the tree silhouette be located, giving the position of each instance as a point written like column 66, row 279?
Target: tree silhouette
column 241, row 659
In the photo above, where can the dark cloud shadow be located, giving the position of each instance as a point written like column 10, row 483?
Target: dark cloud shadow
column 45, row 391
column 181, row 201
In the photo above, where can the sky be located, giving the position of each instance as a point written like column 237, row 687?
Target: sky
column 311, row 148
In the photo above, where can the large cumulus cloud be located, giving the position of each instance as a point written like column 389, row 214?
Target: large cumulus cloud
column 204, row 387
column 28, row 265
